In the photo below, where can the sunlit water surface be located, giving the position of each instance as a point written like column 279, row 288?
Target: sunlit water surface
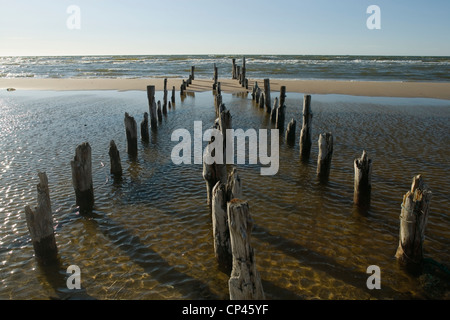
column 152, row 236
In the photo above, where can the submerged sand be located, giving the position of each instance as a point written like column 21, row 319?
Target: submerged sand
column 438, row 90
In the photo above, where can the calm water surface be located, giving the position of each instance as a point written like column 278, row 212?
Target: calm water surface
column 151, row 237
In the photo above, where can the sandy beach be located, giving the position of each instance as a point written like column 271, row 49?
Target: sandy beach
column 437, row 90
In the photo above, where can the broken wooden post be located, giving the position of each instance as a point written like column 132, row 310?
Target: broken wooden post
column 290, row 132
column 173, row 95
column 262, row 100
column 363, row 180
column 152, row 107
column 192, row 73
column 413, row 221
column 305, row 135
column 221, row 231
column 114, row 158
column 255, row 87
column 245, row 282
column 159, row 111
column 325, row 155
column 145, row 136
column 82, row 177
column 282, row 95
column 273, row 113
column 131, row 132
column 40, row 224
column 217, row 103
column 267, row 94
column 215, row 77
column 281, row 114
column 238, row 72
column 165, row 96
column 234, row 186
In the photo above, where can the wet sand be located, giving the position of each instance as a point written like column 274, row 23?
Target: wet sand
column 437, row 90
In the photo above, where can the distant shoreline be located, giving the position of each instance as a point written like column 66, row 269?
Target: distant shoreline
column 436, row 90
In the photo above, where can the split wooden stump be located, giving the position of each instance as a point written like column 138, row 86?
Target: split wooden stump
column 222, row 194
column 40, row 224
column 245, row 282
column 82, row 177
column 363, row 180
column 413, row 221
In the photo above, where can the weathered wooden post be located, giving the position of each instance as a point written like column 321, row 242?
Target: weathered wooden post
column 114, row 158
column 215, row 77
column 325, row 155
column 192, row 73
column 152, row 107
column 262, row 100
column 243, row 75
column 273, row 113
column 238, row 72
column 217, row 103
column 245, row 282
column 267, row 94
column 82, row 177
column 255, row 87
column 234, row 186
column 305, row 135
column 165, row 97
column 282, row 95
column 290, row 132
column 159, row 111
column 281, row 115
column 363, row 180
column 131, row 132
column 173, row 95
column 221, row 231
column 413, row 221
column 40, row 224
column 233, row 70
column 145, row 136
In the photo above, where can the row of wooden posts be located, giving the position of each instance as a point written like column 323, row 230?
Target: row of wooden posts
column 232, row 222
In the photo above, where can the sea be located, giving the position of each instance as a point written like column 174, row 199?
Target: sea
column 370, row 68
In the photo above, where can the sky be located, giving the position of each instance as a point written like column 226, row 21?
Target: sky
column 147, row 27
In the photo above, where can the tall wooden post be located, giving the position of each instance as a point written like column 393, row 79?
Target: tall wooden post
column 131, row 132
column 282, row 95
column 305, row 135
column 165, row 97
column 245, row 282
column 82, row 177
column 40, row 224
column 114, row 157
column 413, row 221
column 152, row 107
column 268, row 100
column 325, row 155
column 193, row 73
column 273, row 113
column 173, row 94
column 281, row 114
column 145, row 136
column 233, row 70
column 363, row 180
